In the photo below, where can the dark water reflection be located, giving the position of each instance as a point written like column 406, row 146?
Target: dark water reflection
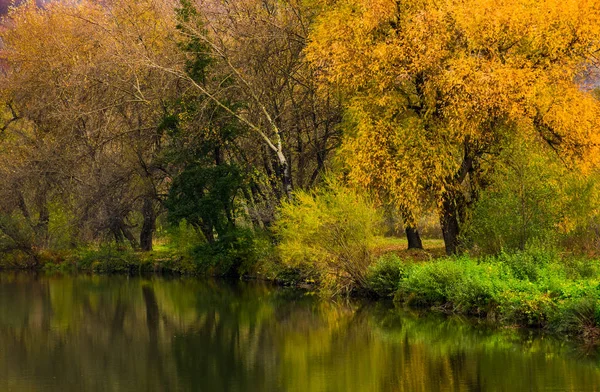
column 132, row 334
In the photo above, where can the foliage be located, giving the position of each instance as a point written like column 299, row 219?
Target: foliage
column 329, row 230
column 89, row 159
column 524, row 202
column 531, row 288
column 206, row 198
column 385, row 274
column 183, row 236
column 434, row 90
column 233, row 254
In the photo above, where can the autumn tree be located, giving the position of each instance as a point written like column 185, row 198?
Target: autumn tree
column 75, row 77
column 436, row 88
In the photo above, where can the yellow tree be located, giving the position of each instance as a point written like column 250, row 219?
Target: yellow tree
column 436, row 87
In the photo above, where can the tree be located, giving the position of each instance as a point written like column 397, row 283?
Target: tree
column 437, row 87
column 258, row 76
column 76, row 78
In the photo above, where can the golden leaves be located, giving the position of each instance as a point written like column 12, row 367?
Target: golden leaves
column 471, row 72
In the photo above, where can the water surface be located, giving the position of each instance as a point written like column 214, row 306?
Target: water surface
column 93, row 333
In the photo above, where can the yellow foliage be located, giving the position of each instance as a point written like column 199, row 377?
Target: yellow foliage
column 330, row 231
column 437, row 86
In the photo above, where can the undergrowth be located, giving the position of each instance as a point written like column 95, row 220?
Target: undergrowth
column 532, row 288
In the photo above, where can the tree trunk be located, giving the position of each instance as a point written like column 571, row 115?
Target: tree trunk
column 41, row 229
column 120, row 231
column 207, row 231
column 450, row 225
column 148, row 226
column 127, row 233
column 413, row 237
column 286, row 176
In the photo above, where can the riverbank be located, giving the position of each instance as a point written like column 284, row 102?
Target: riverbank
column 535, row 288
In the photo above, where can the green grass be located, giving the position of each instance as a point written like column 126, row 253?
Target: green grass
column 111, row 259
column 432, row 248
column 534, row 288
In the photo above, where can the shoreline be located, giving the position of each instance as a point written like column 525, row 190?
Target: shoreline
column 449, row 287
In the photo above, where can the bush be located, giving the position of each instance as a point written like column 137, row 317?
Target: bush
column 523, row 203
column 384, row 276
column 579, row 316
column 106, row 259
column 462, row 285
column 232, row 254
column 329, row 231
column 476, row 291
column 533, row 288
column 528, row 308
column 528, row 264
column 430, row 283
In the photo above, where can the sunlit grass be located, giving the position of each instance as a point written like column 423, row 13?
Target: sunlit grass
column 432, row 248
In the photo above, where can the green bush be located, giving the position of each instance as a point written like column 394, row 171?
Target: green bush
column 523, row 203
column 578, row 316
column 384, row 276
column 581, row 267
column 528, row 264
column 477, row 289
column 462, row 285
column 108, row 258
column 431, row 283
column 528, row 308
column 232, row 254
column 330, row 231
column 533, row 288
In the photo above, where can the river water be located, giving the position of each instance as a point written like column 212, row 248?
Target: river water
column 97, row 333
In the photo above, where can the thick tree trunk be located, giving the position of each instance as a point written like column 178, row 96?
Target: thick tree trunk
column 127, row 233
column 413, row 237
column 454, row 203
column 148, row 225
column 120, row 232
column 450, row 225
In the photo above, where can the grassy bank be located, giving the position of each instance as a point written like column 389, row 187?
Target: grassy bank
column 534, row 288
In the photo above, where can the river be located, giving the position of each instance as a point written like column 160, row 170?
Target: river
column 117, row 333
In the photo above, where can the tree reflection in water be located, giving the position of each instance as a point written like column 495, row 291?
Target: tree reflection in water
column 133, row 334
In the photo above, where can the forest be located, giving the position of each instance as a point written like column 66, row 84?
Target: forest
column 443, row 153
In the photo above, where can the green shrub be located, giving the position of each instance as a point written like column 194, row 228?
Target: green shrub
column 329, row 230
column 430, row 283
column 578, row 316
column 384, row 276
column 523, row 203
column 108, row 258
column 527, row 264
column 183, row 236
column 527, row 308
column 477, row 289
column 232, row 254
column 581, row 267
column 533, row 288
